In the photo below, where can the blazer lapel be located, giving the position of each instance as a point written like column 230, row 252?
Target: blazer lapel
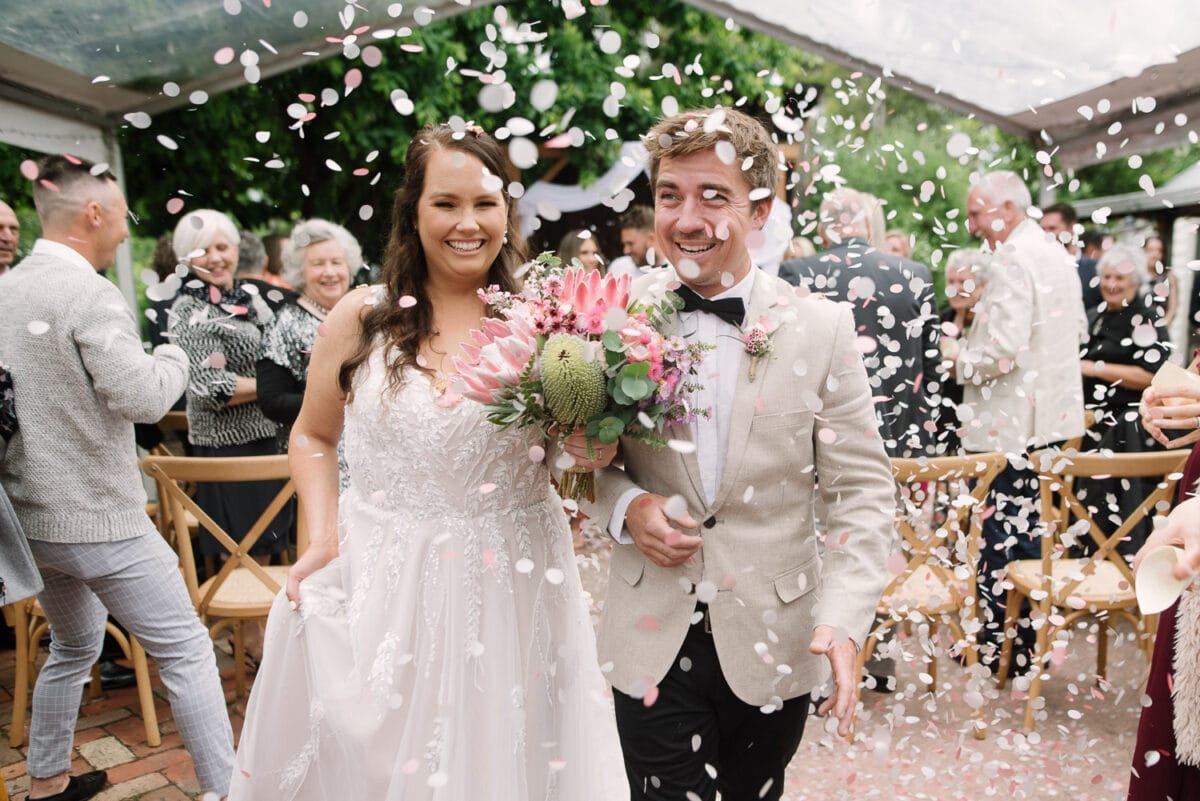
column 745, row 397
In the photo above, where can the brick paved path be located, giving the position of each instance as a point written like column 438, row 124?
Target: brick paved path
column 916, row 746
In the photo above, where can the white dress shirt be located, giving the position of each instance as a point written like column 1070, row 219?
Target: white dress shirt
column 719, row 374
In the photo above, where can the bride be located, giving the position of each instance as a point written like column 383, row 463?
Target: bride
column 433, row 642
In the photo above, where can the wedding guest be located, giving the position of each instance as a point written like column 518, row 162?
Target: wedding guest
column 1061, row 221
column 74, row 352
column 1019, row 369
column 219, row 324
column 1126, row 345
column 1166, row 756
column 638, row 246
column 897, row 243
column 10, row 236
column 252, row 256
column 162, row 295
column 966, row 276
column 1161, row 284
column 895, row 316
column 721, row 619
column 580, row 244
column 433, row 640
column 319, row 261
column 275, row 245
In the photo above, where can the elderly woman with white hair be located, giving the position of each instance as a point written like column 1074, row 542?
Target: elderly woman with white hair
column 219, row 323
column 319, row 260
column 966, row 275
column 1127, row 344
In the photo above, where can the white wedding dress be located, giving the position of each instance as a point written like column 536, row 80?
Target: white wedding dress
column 446, row 653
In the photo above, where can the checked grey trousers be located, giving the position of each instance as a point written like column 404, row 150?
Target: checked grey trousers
column 138, row 581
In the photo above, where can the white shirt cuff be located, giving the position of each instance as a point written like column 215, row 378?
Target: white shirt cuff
column 616, row 523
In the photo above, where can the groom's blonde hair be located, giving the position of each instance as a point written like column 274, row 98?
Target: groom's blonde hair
column 697, row 130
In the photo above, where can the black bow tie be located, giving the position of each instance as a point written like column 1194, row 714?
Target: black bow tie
column 731, row 310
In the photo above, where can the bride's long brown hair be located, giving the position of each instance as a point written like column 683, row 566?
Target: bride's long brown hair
column 400, row 331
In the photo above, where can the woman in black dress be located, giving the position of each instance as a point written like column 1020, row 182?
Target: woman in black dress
column 1127, row 344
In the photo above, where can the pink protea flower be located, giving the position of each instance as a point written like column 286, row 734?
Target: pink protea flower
column 584, row 290
column 496, row 357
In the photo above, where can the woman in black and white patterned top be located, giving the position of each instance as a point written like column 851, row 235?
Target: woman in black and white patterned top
column 218, row 323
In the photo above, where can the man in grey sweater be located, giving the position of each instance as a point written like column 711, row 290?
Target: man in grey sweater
column 80, row 381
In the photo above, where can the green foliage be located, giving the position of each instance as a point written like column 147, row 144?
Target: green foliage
column 681, row 52
column 1122, row 175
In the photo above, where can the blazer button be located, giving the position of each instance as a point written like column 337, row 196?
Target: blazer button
column 710, row 522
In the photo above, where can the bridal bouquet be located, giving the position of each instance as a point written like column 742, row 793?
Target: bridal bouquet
column 571, row 351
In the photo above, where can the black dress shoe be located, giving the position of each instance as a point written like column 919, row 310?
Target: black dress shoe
column 114, row 677
column 79, row 788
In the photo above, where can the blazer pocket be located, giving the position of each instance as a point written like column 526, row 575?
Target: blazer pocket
column 798, row 581
column 630, row 568
column 782, row 420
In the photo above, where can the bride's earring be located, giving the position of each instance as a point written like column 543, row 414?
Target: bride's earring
column 505, row 240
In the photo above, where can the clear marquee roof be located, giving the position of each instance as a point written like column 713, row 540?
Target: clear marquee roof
column 1098, row 76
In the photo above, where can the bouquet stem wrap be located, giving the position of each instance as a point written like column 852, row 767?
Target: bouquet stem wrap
column 577, row 485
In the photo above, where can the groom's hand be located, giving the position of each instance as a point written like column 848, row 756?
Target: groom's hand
column 661, row 542
column 843, row 656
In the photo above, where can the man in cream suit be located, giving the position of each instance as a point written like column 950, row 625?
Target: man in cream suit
column 725, row 606
column 1019, row 367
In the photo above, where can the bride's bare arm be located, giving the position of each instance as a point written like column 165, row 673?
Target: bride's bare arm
column 312, row 453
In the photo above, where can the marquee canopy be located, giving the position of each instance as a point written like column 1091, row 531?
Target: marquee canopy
column 1090, row 79
column 1099, row 77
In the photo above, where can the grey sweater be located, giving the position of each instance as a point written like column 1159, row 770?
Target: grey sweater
column 80, row 379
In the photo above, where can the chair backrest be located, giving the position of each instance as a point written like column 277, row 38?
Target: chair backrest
column 946, row 538
column 174, row 474
column 1056, row 473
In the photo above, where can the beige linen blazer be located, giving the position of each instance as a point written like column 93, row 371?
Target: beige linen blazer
column 765, row 572
column 1019, row 367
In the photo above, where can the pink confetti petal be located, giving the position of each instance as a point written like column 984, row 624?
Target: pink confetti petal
column 353, row 79
column 407, row 302
column 224, row 56
column 217, row 360
column 29, row 169
column 650, row 697
column 174, row 205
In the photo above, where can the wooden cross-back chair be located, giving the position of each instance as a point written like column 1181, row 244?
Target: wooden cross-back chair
column 29, row 625
column 940, row 528
column 241, row 590
column 1062, row 589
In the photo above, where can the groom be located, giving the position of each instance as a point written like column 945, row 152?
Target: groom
column 726, row 607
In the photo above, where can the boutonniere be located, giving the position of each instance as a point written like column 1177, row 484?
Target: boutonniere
column 757, row 340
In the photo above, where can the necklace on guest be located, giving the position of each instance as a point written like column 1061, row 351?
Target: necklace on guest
column 319, row 311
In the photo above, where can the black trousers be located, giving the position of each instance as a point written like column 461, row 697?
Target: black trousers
column 698, row 738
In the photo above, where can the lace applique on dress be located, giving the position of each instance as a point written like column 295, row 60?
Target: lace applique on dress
column 448, row 644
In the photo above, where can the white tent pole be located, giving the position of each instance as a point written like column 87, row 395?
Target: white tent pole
column 124, row 253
